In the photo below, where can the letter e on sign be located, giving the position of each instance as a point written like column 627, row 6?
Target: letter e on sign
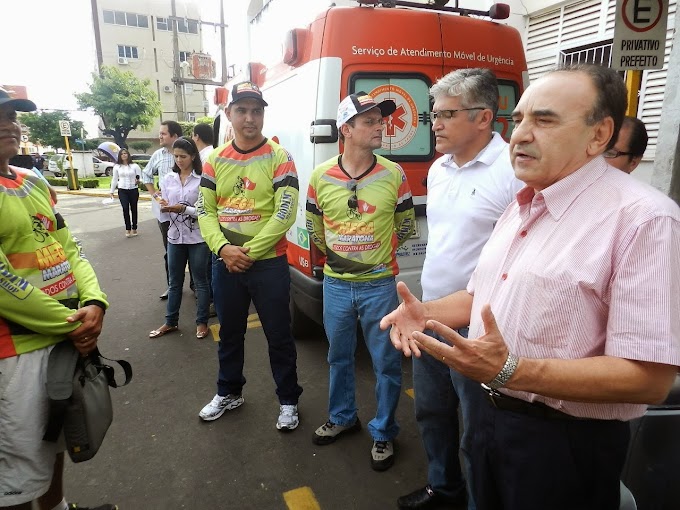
column 65, row 128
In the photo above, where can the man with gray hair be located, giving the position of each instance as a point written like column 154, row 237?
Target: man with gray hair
column 467, row 190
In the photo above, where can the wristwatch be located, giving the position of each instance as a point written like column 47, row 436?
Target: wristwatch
column 506, row 372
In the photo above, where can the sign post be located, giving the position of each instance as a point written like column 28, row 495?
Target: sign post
column 639, row 42
column 72, row 177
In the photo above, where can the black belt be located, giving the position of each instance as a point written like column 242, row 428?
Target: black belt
column 516, row 405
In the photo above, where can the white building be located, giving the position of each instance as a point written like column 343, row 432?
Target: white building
column 137, row 36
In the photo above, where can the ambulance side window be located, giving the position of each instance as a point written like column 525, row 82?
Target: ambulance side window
column 507, row 100
column 407, row 135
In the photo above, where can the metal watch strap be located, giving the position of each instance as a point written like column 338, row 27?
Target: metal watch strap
column 506, row 372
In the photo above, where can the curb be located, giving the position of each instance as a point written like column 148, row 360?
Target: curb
column 94, row 194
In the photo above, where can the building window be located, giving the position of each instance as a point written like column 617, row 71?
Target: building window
column 184, row 56
column 162, row 24
column 128, row 19
column 127, row 51
column 187, row 26
column 599, row 53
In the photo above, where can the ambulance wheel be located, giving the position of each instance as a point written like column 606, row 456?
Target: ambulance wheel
column 301, row 326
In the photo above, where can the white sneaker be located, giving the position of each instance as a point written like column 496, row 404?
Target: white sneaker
column 289, row 418
column 218, row 405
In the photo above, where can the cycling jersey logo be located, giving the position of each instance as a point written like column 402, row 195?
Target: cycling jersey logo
column 41, row 225
column 362, row 207
column 243, row 184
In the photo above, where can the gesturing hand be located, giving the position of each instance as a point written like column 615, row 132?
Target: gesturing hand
column 480, row 359
column 407, row 318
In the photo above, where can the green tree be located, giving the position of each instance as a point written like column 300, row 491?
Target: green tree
column 141, row 145
column 93, row 143
column 123, row 101
column 187, row 127
column 44, row 128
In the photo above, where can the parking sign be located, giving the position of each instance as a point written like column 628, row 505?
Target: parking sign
column 639, row 34
column 65, row 128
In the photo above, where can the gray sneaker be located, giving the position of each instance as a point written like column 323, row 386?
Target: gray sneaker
column 329, row 432
column 289, row 418
column 382, row 455
column 218, row 405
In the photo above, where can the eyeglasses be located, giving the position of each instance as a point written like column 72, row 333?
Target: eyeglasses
column 373, row 122
column 448, row 114
column 613, row 153
column 353, row 201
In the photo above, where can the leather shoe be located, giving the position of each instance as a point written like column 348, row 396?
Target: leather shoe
column 165, row 294
column 427, row 498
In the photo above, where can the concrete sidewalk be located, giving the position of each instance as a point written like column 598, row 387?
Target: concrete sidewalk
column 95, row 192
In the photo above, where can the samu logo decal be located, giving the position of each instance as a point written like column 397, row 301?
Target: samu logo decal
column 402, row 125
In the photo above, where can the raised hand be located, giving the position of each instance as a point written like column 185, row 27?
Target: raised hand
column 407, row 318
column 480, row 359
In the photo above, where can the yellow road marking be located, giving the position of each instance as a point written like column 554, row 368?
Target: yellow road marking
column 253, row 322
column 301, row 499
column 411, row 393
column 215, row 330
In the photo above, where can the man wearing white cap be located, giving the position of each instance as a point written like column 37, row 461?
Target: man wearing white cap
column 50, row 295
column 359, row 211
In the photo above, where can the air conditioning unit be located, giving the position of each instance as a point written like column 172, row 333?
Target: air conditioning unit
column 122, row 61
column 167, row 88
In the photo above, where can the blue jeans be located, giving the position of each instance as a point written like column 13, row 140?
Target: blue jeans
column 197, row 256
column 343, row 303
column 267, row 284
column 438, row 393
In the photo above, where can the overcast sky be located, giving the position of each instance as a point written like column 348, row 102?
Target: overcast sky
column 52, row 52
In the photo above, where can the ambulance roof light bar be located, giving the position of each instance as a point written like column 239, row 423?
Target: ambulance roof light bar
column 496, row 11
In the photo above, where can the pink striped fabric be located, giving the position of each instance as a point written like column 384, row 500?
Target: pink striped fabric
column 589, row 266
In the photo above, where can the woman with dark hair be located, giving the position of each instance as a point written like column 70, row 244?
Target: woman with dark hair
column 126, row 179
column 179, row 191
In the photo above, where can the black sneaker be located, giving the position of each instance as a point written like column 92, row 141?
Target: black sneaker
column 107, row 506
column 329, row 432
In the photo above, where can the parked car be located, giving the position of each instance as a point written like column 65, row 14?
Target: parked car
column 143, row 158
column 58, row 164
column 102, row 167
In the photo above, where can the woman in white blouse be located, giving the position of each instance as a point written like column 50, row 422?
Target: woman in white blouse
column 126, row 179
column 179, row 191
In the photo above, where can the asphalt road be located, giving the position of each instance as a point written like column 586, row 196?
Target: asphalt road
column 159, row 455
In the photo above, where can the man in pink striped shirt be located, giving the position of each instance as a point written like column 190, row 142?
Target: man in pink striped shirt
column 572, row 307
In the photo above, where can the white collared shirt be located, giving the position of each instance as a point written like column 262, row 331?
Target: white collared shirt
column 463, row 205
column 162, row 160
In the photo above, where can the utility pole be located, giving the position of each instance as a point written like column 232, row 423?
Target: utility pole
column 179, row 85
column 223, row 40
column 97, row 35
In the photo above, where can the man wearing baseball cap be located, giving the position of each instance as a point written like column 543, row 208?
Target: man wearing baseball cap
column 44, row 302
column 359, row 211
column 248, row 200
